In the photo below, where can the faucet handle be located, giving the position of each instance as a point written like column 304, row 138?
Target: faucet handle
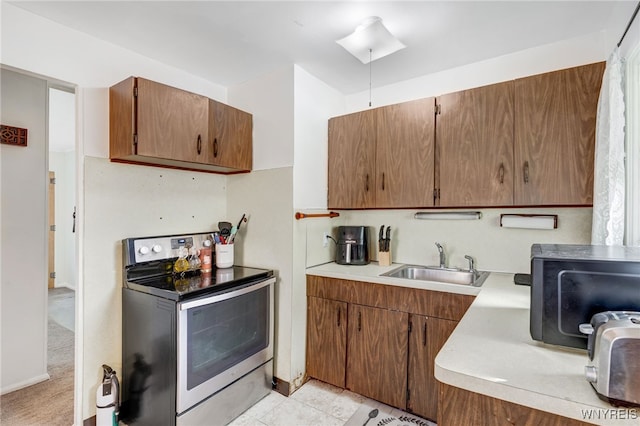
column 472, row 267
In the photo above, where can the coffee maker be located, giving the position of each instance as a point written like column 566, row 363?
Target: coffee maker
column 353, row 245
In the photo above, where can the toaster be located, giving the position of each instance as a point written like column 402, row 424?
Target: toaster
column 613, row 347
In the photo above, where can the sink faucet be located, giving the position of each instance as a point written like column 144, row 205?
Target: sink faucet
column 472, row 267
column 443, row 259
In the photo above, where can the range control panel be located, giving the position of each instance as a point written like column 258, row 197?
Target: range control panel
column 141, row 250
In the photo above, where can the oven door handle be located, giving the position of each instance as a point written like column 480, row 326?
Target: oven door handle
column 220, row 297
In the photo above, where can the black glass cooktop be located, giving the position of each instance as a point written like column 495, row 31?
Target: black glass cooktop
column 191, row 284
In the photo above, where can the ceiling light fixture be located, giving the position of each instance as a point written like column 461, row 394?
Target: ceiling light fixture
column 371, row 40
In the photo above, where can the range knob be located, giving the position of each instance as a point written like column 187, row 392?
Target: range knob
column 143, row 250
column 156, row 248
column 591, row 373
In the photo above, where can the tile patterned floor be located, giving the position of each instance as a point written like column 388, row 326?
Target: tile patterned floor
column 314, row 404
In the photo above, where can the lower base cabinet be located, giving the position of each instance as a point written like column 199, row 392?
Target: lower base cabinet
column 427, row 337
column 376, row 354
column 462, row 407
column 380, row 341
column 327, row 340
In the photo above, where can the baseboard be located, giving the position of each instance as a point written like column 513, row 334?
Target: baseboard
column 65, row 285
column 281, row 386
column 30, row 382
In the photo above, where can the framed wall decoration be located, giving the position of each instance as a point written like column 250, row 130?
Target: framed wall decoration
column 13, row 135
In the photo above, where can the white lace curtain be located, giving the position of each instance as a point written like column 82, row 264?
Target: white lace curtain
column 609, row 174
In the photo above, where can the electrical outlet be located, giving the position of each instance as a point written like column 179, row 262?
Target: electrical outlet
column 325, row 239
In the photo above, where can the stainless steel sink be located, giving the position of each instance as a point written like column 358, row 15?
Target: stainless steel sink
column 434, row 273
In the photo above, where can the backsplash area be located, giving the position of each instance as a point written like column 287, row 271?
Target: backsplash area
column 494, row 248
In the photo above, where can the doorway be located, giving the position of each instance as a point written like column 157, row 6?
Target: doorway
column 63, row 187
column 37, row 357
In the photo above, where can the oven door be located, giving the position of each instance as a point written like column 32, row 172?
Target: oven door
column 221, row 338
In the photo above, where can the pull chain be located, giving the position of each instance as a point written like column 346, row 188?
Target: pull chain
column 370, row 50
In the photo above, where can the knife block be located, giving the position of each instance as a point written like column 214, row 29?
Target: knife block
column 384, row 258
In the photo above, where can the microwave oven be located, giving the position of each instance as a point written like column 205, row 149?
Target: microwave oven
column 571, row 283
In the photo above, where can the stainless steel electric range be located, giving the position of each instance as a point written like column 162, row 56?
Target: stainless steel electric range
column 197, row 347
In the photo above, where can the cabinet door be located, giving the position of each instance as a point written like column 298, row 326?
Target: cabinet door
column 426, row 338
column 474, row 133
column 377, row 354
column 555, row 136
column 171, row 123
column 326, row 340
column 352, row 142
column 231, row 137
column 404, row 154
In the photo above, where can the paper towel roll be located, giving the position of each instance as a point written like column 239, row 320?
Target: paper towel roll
column 529, row 221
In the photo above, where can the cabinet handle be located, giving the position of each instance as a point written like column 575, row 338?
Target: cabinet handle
column 526, row 172
column 199, row 145
column 424, row 333
column 359, row 320
column 366, row 184
column 383, row 181
column 338, row 317
column 215, row 147
column 501, row 173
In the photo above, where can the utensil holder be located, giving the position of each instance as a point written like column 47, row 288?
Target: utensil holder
column 384, row 258
column 224, row 255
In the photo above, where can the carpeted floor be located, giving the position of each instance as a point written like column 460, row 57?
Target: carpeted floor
column 51, row 402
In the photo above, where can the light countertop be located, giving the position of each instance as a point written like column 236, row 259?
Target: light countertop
column 491, row 351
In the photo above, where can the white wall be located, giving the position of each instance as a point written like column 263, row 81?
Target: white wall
column 314, row 102
column 266, row 195
column 110, row 207
column 622, row 12
column 23, row 234
column 290, row 110
column 565, row 54
column 266, row 241
column 122, row 201
column 270, row 99
column 494, row 248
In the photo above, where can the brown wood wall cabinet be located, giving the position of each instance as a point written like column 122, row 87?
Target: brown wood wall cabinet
column 155, row 124
column 475, row 147
column 404, row 154
column 352, row 159
column 385, row 346
column 382, row 157
column 527, row 142
column 555, row 125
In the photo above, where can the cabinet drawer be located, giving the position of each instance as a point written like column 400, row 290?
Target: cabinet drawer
column 411, row 300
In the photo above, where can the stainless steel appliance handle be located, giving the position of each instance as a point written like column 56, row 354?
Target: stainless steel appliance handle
column 220, row 297
column 347, row 256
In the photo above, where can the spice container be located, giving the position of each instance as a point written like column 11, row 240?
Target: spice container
column 181, row 264
column 205, row 257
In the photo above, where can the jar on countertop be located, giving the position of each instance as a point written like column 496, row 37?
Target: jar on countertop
column 206, row 262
